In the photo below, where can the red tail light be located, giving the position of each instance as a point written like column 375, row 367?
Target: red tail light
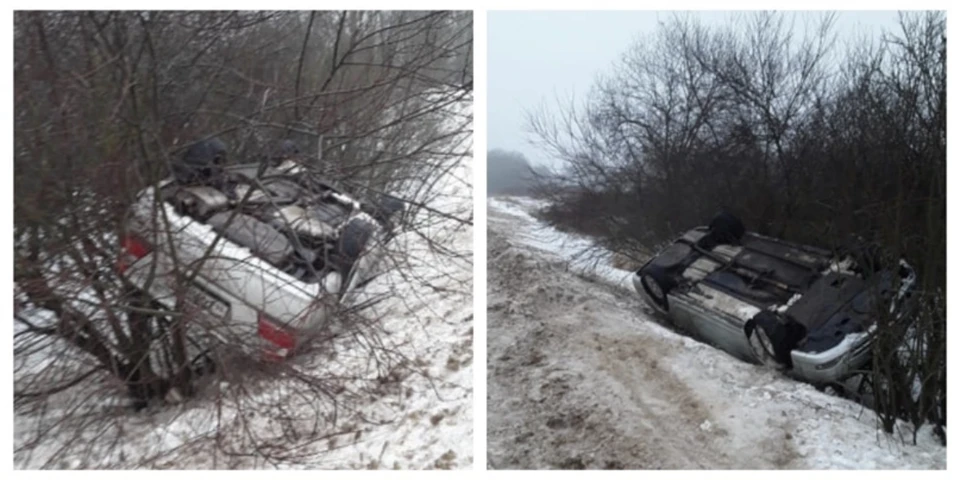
column 278, row 341
column 134, row 248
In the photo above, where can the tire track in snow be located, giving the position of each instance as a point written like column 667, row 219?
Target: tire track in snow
column 584, row 388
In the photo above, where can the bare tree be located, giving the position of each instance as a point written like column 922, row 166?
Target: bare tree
column 106, row 100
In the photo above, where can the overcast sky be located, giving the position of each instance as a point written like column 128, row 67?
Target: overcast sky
column 534, row 57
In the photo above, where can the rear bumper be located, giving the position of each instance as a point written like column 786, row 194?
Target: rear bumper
column 218, row 316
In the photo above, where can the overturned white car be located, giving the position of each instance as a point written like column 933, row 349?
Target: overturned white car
column 804, row 309
column 263, row 251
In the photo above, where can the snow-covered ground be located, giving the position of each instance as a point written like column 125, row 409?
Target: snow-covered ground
column 422, row 419
column 583, row 376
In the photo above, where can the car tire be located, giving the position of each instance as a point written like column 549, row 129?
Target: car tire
column 388, row 208
column 762, row 345
column 656, row 289
column 354, row 237
column 201, row 163
column 772, row 339
column 726, row 228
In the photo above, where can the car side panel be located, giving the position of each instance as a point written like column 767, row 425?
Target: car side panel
column 684, row 315
column 714, row 325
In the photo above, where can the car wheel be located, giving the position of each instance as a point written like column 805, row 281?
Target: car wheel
column 387, row 211
column 354, row 238
column 726, row 228
column 762, row 345
column 655, row 290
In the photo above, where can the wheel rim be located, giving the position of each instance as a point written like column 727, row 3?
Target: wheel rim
column 653, row 288
column 765, row 341
column 762, row 345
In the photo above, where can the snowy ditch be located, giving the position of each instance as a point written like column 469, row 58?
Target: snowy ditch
column 421, row 420
column 583, row 376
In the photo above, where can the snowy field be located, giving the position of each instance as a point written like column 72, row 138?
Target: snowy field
column 583, row 376
column 423, row 421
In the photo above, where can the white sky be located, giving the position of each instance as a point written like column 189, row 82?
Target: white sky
column 535, row 57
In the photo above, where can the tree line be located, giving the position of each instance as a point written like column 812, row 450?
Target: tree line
column 801, row 138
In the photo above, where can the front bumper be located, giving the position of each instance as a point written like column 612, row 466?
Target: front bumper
column 853, row 352
column 835, row 364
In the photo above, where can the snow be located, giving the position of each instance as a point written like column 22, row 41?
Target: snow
column 425, row 420
column 583, row 375
column 844, row 266
column 715, row 300
column 786, row 306
column 579, row 251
